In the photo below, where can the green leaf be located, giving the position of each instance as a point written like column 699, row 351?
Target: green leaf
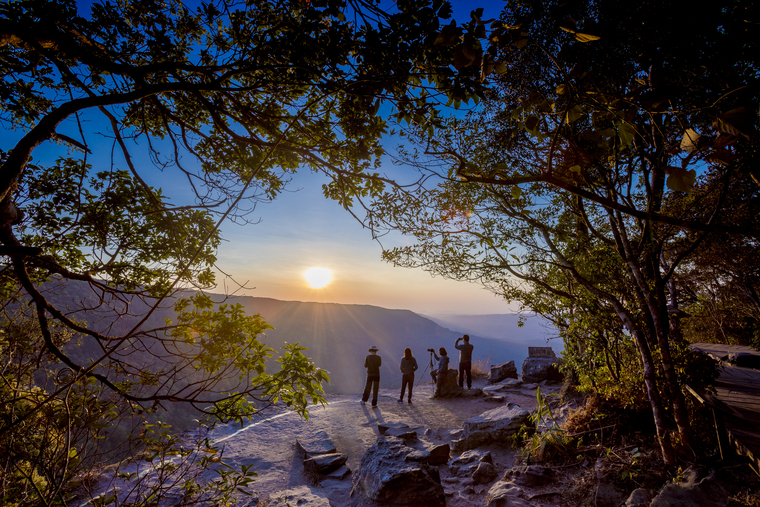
column 531, row 124
column 516, row 192
column 449, row 35
column 735, row 122
column 574, row 113
column 680, row 179
column 689, row 141
column 626, row 133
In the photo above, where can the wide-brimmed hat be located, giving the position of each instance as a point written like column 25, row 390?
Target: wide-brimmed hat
column 373, row 348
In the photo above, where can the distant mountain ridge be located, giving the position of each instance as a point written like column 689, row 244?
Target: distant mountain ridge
column 535, row 331
column 338, row 335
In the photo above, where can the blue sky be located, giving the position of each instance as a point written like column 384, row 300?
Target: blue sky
column 302, row 229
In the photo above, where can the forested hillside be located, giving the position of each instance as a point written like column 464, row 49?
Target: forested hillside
column 337, row 336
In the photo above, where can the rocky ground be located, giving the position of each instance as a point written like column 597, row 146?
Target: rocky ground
column 475, row 472
column 352, row 427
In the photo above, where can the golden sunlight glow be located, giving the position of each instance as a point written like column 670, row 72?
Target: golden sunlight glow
column 318, row 277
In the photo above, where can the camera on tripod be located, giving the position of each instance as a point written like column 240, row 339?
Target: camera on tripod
column 431, row 350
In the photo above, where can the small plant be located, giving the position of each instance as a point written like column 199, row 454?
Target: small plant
column 549, row 440
column 482, row 367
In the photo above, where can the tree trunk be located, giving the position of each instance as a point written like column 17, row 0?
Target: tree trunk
column 666, row 449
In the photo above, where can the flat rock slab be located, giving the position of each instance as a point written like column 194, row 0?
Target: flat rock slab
column 319, row 443
column 324, row 463
column 396, row 429
column 433, row 455
column 341, row 473
column 504, row 385
column 303, row 496
column 493, row 425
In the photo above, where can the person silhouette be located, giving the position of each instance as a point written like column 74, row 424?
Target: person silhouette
column 465, row 360
column 408, row 367
column 372, row 362
column 439, row 374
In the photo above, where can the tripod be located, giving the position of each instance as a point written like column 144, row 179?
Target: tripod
column 429, row 365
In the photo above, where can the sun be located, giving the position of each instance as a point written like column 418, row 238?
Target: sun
column 318, row 277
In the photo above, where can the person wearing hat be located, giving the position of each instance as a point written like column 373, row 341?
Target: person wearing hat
column 372, row 362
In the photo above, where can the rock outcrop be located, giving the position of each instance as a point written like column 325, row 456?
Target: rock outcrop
column 698, row 490
column 541, row 364
column 506, row 494
column 502, row 371
column 639, row 498
column 509, row 492
column 395, row 471
column 450, row 387
column 608, row 493
column 478, row 465
column 491, row 426
column 320, row 456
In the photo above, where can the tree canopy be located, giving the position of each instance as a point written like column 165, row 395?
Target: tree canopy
column 225, row 99
column 605, row 159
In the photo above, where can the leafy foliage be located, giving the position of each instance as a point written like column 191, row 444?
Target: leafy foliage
column 601, row 162
column 224, row 101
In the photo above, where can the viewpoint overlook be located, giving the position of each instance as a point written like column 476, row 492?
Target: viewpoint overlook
column 228, row 228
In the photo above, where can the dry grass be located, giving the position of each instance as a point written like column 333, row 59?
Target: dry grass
column 482, row 368
column 744, row 483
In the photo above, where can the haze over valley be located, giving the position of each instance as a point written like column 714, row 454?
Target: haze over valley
column 338, row 336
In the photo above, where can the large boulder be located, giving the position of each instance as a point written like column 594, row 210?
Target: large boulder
column 450, row 387
column 502, row 371
column 491, row 426
column 391, row 473
column 541, row 364
column 538, row 369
